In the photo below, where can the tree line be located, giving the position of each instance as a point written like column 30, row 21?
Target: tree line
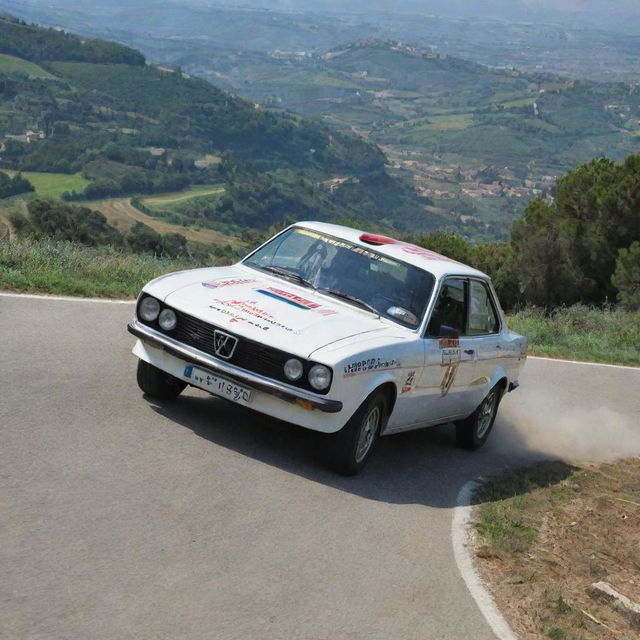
column 37, row 44
column 13, row 186
column 56, row 220
column 583, row 246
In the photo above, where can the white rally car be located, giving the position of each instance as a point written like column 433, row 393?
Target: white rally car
column 344, row 332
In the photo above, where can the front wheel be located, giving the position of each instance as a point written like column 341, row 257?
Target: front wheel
column 158, row 383
column 350, row 448
column 473, row 432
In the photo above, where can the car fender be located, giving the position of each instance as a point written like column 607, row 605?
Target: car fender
column 499, row 373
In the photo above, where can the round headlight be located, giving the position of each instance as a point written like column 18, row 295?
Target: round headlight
column 319, row 377
column 293, row 369
column 167, row 319
column 149, row 309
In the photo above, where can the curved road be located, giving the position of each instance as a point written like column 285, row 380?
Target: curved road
column 125, row 518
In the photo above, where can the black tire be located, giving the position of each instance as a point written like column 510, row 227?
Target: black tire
column 473, row 432
column 349, row 449
column 157, row 383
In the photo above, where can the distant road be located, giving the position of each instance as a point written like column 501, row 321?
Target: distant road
column 127, row 518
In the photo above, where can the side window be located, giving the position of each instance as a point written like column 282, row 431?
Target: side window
column 448, row 319
column 482, row 315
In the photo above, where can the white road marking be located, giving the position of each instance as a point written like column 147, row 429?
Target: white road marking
column 589, row 364
column 464, row 560
column 6, row 294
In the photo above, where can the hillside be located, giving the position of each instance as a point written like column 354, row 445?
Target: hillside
column 131, row 128
column 492, row 33
column 479, row 142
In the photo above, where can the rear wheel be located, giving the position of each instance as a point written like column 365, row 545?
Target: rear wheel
column 473, row 432
column 350, row 448
column 158, row 383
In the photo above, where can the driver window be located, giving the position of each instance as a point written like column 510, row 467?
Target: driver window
column 449, row 314
column 482, row 315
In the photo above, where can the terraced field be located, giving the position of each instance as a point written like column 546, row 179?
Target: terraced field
column 123, row 215
column 167, row 200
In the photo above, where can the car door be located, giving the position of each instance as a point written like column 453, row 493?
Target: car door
column 444, row 385
column 451, row 355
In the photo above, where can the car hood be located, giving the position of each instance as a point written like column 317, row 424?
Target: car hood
column 264, row 308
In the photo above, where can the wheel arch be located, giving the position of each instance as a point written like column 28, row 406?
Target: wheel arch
column 388, row 388
column 499, row 378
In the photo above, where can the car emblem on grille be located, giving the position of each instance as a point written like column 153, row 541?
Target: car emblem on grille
column 223, row 344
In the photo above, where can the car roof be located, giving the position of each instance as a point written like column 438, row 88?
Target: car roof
column 420, row 257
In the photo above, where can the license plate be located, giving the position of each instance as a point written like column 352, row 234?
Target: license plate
column 220, row 386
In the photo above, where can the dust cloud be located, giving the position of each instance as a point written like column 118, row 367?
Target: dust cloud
column 540, row 424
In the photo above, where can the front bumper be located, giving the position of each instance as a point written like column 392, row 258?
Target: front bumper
column 255, row 381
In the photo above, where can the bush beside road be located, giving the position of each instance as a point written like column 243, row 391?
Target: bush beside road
column 574, row 333
column 609, row 335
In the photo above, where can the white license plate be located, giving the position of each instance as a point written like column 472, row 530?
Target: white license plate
column 220, row 386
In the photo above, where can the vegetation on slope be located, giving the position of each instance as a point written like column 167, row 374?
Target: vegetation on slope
column 609, row 335
column 130, row 129
column 49, row 266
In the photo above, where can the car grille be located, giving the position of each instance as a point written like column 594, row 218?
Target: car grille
column 248, row 354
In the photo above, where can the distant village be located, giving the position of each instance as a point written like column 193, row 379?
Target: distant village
column 475, row 182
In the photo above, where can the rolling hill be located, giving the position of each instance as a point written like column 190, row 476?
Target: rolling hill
column 130, row 128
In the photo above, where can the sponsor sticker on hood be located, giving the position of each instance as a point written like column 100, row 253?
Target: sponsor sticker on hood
column 217, row 284
column 295, row 300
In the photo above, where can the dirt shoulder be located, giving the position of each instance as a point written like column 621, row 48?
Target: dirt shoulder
column 544, row 536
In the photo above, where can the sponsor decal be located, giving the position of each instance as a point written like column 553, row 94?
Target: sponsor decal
column 250, row 307
column 370, row 364
column 450, row 350
column 424, row 253
column 408, row 383
column 448, row 378
column 237, row 311
column 295, row 300
column 335, row 242
column 216, row 284
column 450, row 355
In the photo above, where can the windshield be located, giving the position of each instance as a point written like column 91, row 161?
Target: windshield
column 354, row 274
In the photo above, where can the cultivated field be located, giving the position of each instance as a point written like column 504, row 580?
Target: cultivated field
column 167, row 200
column 53, row 185
column 123, row 215
column 9, row 64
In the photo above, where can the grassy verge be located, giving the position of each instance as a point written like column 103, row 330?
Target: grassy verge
column 545, row 534
column 581, row 333
column 70, row 269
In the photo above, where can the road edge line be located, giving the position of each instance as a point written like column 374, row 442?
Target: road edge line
column 35, row 296
column 589, row 364
column 464, row 560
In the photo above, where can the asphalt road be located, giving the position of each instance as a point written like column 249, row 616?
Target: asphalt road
column 126, row 518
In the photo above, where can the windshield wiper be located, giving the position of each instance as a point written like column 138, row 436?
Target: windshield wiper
column 287, row 274
column 348, row 298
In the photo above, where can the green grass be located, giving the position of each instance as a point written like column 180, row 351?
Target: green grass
column 450, row 122
column 580, row 333
column 168, row 199
column 70, row 269
column 53, row 185
column 504, row 527
column 9, row 64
